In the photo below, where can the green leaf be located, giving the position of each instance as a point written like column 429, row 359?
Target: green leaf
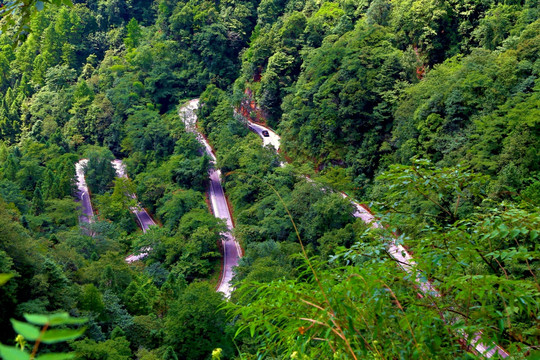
column 30, row 332
column 56, row 356
column 59, row 335
column 4, row 278
column 501, row 324
column 514, row 233
column 65, row 319
column 54, row 319
column 13, row 353
column 36, row 319
column 240, row 330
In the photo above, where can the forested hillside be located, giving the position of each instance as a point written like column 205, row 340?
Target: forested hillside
column 427, row 111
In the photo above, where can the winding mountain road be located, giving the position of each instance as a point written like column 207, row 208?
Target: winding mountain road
column 272, row 138
column 143, row 218
column 87, row 216
column 398, row 252
column 231, row 249
column 395, row 250
column 83, row 196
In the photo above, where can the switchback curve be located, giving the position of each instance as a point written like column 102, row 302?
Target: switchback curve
column 231, row 249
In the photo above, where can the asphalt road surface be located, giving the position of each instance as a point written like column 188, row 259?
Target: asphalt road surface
column 231, row 248
column 397, row 251
column 83, row 197
column 272, row 138
column 144, row 219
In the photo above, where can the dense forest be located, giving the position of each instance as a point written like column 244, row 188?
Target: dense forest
column 426, row 111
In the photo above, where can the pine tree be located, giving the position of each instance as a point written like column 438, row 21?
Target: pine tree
column 4, row 71
column 38, row 205
column 3, row 153
column 169, row 354
column 7, row 132
column 51, row 44
column 117, row 332
column 134, row 34
column 10, row 168
column 63, row 24
column 57, row 284
column 40, row 67
column 8, row 97
column 108, row 279
column 49, row 185
column 68, row 55
column 91, row 299
column 24, row 85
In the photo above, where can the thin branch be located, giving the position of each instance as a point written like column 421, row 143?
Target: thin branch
column 314, row 305
column 403, row 311
column 393, row 209
column 433, row 201
column 457, row 205
column 38, row 341
column 529, row 266
column 502, row 267
column 452, row 254
column 486, row 261
column 317, row 322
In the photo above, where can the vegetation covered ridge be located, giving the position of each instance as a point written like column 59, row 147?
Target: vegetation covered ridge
column 426, row 110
